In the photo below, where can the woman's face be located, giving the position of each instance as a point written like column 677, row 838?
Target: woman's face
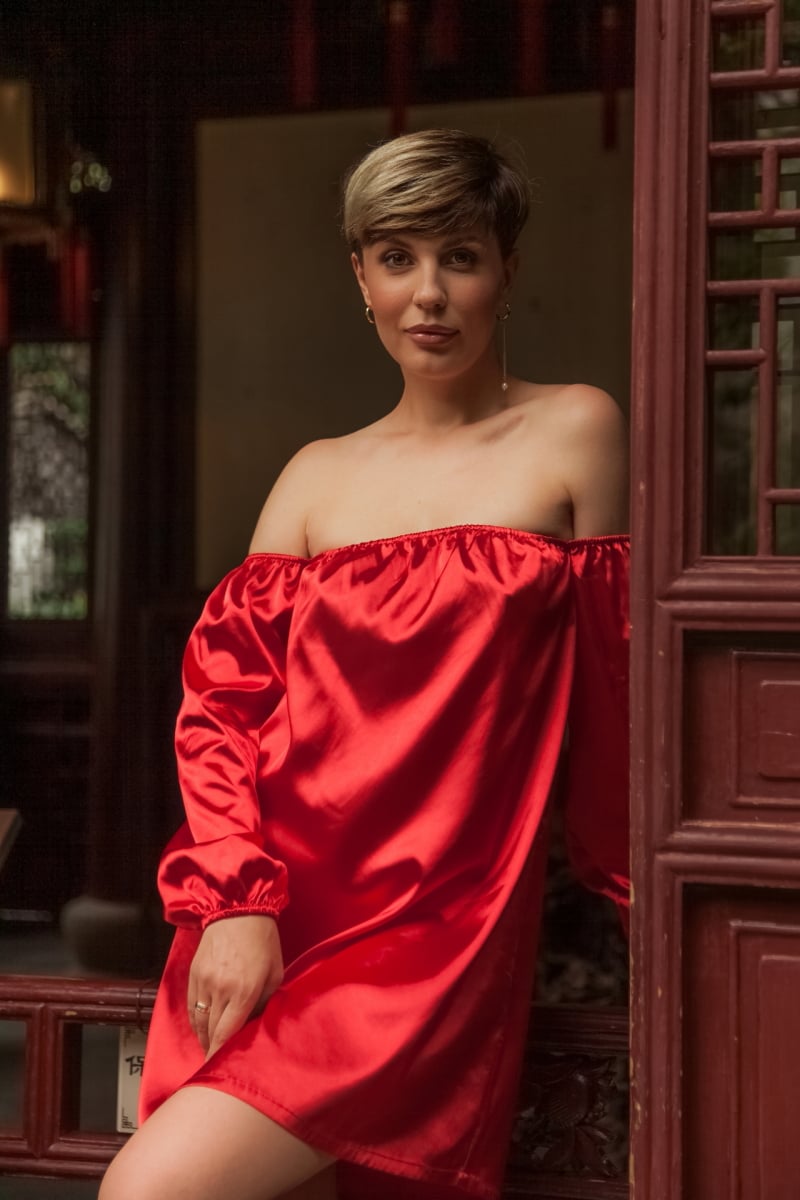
column 436, row 300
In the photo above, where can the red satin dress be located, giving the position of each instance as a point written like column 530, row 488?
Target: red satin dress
column 366, row 749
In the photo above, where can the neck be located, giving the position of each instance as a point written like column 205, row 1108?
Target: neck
column 437, row 405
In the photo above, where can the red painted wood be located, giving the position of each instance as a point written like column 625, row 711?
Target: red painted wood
column 399, row 16
column 303, row 54
column 532, row 47
column 742, row 732
column 53, row 1009
column 445, row 33
column 743, row 958
column 716, row 665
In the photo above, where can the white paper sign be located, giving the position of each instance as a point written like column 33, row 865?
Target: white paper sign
column 129, row 1077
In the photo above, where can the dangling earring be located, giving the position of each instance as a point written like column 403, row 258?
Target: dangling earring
column 370, row 315
column 502, row 318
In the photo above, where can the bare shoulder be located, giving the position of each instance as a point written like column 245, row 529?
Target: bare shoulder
column 281, row 527
column 591, row 433
column 579, row 410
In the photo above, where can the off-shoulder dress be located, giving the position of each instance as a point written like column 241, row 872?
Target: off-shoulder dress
column 366, row 749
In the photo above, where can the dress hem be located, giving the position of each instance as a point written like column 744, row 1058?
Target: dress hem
column 346, row 1151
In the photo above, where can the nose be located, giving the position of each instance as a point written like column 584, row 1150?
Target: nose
column 429, row 292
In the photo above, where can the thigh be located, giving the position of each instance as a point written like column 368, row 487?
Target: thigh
column 202, row 1144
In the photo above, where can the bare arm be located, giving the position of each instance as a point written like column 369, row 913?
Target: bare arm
column 282, row 525
column 596, row 461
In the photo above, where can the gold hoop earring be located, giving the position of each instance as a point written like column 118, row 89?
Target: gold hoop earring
column 502, row 318
column 370, row 315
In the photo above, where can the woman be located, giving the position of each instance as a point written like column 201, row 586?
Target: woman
column 375, row 704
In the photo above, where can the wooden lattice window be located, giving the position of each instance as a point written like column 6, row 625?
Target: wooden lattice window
column 752, row 347
column 47, row 435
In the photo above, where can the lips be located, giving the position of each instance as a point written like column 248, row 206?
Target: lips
column 431, row 335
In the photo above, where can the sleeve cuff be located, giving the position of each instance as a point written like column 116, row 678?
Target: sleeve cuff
column 242, row 910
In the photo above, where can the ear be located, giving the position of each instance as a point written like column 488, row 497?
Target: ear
column 510, row 269
column 358, row 268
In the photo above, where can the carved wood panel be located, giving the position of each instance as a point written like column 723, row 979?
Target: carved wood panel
column 570, row 1138
column 743, row 982
column 742, row 729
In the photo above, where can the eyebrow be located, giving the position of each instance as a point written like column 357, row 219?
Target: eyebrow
column 448, row 244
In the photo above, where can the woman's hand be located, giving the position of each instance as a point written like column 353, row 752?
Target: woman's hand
column 237, row 967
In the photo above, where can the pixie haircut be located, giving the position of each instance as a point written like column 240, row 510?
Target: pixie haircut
column 432, row 183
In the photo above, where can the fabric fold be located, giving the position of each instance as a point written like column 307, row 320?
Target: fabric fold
column 596, row 798
column 379, row 727
column 234, row 672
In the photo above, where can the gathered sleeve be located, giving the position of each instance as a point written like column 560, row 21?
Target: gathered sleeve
column 596, row 801
column 234, row 678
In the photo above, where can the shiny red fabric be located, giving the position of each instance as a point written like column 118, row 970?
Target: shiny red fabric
column 374, row 732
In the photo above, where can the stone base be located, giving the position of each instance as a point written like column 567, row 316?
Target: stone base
column 112, row 936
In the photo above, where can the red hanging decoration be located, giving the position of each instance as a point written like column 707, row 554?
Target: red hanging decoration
column 610, row 51
column 303, row 55
column 532, row 43
column 444, row 33
column 75, row 284
column 399, row 33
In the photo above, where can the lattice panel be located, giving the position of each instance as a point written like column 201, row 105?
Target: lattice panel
column 753, row 279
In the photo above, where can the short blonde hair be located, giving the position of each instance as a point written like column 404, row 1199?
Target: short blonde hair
column 433, row 183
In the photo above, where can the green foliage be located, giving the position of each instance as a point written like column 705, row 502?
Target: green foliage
column 59, row 368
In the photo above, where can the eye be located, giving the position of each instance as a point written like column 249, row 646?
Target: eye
column 461, row 257
column 395, row 258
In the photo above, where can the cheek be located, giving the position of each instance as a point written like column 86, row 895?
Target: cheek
column 387, row 298
column 483, row 302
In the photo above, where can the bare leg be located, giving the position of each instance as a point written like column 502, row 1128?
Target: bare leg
column 202, row 1144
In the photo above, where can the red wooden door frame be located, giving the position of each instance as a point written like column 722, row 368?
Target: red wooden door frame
column 677, row 595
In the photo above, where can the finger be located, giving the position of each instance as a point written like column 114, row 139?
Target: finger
column 192, row 996
column 225, row 1023
column 200, row 1018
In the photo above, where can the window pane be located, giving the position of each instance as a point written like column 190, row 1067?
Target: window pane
column 744, row 115
column 734, row 324
column 49, row 480
column 732, row 425
column 790, row 183
column 787, row 529
column 738, row 45
column 791, row 33
column 99, row 1057
column 787, row 466
column 735, row 184
column 756, row 254
column 12, row 1071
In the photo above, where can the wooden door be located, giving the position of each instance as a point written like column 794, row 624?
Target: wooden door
column 716, row 602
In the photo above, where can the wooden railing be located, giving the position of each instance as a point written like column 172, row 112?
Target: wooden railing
column 573, row 1085
column 54, row 1012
